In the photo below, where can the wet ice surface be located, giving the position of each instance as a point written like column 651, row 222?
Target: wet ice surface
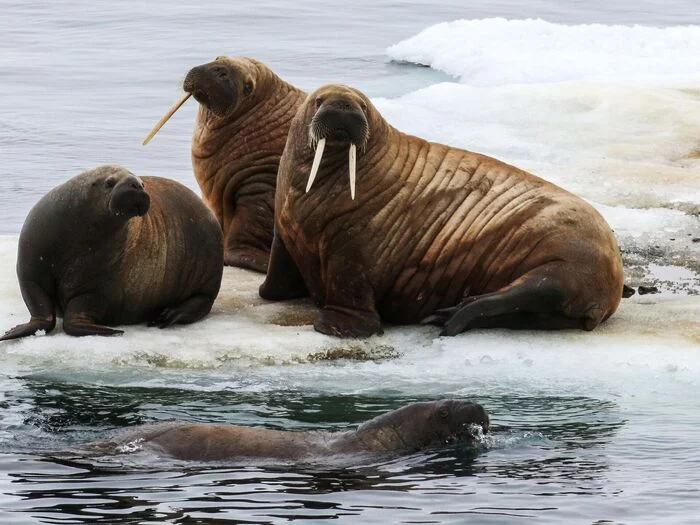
column 586, row 426
column 231, row 334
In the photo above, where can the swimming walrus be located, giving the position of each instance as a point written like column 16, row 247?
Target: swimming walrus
column 380, row 225
column 109, row 248
column 407, row 429
column 244, row 114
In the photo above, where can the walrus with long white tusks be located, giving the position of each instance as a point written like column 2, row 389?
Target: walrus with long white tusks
column 245, row 111
column 109, row 248
column 379, row 225
column 407, row 429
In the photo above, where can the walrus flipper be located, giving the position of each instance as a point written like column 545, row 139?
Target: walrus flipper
column 82, row 328
column 42, row 309
column 533, row 301
column 190, row 311
column 347, row 322
column 248, row 258
column 26, row 329
column 283, row 280
column 249, row 232
column 81, row 312
column 349, row 308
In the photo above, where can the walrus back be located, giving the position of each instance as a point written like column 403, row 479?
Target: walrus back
column 484, row 224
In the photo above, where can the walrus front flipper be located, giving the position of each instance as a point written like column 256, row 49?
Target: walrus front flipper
column 283, row 280
column 42, row 309
column 190, row 311
column 249, row 210
column 349, row 309
column 248, row 258
column 26, row 329
column 347, row 322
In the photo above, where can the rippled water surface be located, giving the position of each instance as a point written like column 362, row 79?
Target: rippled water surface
column 598, row 427
column 550, row 457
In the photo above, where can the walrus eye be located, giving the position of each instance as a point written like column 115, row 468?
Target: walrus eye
column 248, row 88
column 319, row 101
column 364, row 107
column 444, row 413
column 111, row 182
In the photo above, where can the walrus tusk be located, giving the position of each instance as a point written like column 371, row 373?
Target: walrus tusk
column 317, row 162
column 166, row 117
column 352, row 164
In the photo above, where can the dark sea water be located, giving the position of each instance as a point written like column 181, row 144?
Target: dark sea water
column 587, row 428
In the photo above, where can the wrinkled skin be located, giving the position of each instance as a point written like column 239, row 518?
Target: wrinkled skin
column 435, row 233
column 241, row 128
column 408, row 429
column 108, row 248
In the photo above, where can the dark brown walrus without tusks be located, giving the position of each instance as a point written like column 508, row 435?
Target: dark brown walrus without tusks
column 407, row 429
column 379, row 225
column 244, row 115
column 108, row 248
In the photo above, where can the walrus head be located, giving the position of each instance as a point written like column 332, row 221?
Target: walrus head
column 340, row 121
column 123, row 192
column 421, row 425
column 222, row 87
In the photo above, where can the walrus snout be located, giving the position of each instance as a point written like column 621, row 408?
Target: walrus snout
column 340, row 121
column 460, row 416
column 201, row 96
column 129, row 198
column 213, row 85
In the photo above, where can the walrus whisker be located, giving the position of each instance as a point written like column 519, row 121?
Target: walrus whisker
column 352, row 164
column 166, row 117
column 316, row 163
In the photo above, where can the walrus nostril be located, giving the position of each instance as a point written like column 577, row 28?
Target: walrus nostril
column 220, row 71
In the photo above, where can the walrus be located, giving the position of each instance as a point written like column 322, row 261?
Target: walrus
column 379, row 225
column 108, row 248
column 407, row 429
column 244, row 114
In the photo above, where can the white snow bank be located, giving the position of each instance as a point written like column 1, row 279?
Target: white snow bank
column 497, row 51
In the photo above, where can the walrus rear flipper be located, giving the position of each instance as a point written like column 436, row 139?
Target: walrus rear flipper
column 82, row 328
column 42, row 309
column 534, row 301
column 190, row 311
column 80, row 314
column 283, row 280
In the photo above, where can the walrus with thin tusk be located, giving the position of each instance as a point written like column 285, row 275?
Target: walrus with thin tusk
column 379, row 225
column 407, row 429
column 244, row 114
column 108, row 248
